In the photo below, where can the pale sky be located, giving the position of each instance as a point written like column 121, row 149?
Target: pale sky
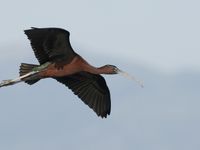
column 158, row 41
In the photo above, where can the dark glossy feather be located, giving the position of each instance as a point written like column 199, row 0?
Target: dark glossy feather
column 91, row 89
column 26, row 68
column 50, row 44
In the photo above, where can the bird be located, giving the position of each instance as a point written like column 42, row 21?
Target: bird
column 59, row 61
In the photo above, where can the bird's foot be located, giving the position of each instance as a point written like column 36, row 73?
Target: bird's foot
column 6, row 82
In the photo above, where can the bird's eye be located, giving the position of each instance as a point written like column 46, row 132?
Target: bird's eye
column 115, row 69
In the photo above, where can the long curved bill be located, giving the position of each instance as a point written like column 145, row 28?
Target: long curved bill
column 126, row 75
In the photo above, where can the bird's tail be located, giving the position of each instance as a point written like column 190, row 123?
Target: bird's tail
column 27, row 68
column 27, row 74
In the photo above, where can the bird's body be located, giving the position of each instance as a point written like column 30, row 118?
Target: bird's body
column 58, row 60
column 67, row 69
column 78, row 64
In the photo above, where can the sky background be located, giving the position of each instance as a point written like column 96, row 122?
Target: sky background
column 157, row 41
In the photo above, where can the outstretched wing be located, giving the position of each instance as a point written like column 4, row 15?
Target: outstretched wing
column 50, row 44
column 91, row 89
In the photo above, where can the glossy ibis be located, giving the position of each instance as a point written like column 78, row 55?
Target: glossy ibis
column 59, row 61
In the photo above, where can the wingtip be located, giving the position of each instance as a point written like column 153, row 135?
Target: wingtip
column 34, row 28
column 104, row 115
column 31, row 28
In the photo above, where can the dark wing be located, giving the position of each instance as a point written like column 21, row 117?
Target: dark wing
column 91, row 89
column 50, row 44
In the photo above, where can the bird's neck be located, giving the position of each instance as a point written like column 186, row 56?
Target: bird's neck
column 91, row 69
column 95, row 70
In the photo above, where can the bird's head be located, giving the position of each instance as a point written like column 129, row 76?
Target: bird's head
column 111, row 69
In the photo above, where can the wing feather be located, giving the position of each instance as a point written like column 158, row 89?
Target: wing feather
column 50, row 44
column 91, row 89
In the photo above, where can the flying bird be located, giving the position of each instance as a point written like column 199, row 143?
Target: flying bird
column 59, row 61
